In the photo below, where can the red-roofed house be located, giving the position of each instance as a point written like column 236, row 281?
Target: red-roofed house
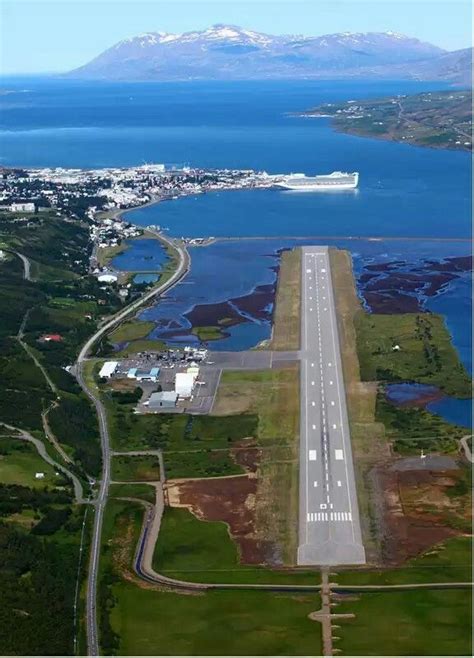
column 55, row 338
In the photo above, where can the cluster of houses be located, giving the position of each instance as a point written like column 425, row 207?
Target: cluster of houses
column 111, row 232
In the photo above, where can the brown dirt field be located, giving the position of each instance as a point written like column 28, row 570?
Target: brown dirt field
column 286, row 318
column 231, row 500
column 274, row 396
column 122, row 384
column 247, row 454
column 416, row 512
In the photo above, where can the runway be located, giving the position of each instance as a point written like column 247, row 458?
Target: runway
column 329, row 525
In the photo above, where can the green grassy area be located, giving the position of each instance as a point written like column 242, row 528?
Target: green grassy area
column 19, row 461
column 426, row 352
column 141, row 345
column 214, row 623
column 413, row 429
column 187, row 544
column 200, row 464
column 415, row 623
column 273, row 397
column 207, row 333
column 132, row 330
column 450, row 561
column 135, row 468
column 133, row 490
column 203, row 551
column 193, row 446
column 176, row 432
column 286, row 324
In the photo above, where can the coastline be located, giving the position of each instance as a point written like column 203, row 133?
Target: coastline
column 345, row 129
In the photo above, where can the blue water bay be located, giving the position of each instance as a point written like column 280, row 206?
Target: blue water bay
column 404, row 192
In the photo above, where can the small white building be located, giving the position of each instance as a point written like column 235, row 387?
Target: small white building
column 184, row 384
column 108, row 369
column 107, row 278
column 22, row 207
column 39, row 476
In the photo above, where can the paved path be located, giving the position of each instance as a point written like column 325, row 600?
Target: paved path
column 329, row 526
column 26, row 265
column 40, row 447
column 466, row 448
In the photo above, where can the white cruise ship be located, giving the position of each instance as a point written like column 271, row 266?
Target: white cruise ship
column 338, row 180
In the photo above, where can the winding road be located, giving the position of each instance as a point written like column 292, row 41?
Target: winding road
column 100, row 501
column 23, row 435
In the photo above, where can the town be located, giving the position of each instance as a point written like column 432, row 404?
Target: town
column 84, row 192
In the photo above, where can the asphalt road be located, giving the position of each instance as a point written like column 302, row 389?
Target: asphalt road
column 329, row 527
column 101, row 500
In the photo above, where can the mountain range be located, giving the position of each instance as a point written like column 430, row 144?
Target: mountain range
column 228, row 52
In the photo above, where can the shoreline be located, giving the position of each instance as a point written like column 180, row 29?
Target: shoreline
column 386, row 137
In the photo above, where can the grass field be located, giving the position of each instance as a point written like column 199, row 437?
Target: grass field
column 413, row 429
column 133, row 490
column 450, row 561
column 193, row 446
column 415, row 623
column 207, row 333
column 148, row 621
column 141, row 345
column 135, row 468
column 187, row 544
column 176, row 432
column 203, row 551
column 132, row 330
column 19, row 461
column 286, row 322
column 200, row 464
column 216, row 623
column 273, row 396
column 426, row 352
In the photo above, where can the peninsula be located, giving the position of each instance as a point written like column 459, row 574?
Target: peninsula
column 435, row 119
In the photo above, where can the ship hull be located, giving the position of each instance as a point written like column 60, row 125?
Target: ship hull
column 316, row 188
column 330, row 182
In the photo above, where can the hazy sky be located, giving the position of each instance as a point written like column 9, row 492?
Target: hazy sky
column 57, row 35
